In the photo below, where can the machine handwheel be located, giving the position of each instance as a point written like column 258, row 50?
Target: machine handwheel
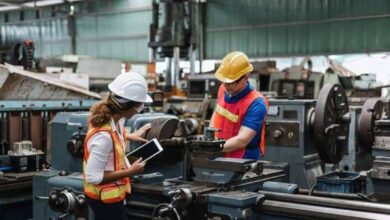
column 372, row 110
column 331, row 123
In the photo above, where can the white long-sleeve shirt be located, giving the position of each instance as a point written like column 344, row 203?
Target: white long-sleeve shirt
column 101, row 154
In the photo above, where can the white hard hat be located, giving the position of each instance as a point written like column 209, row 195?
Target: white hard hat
column 131, row 86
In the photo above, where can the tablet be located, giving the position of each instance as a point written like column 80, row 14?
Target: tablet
column 147, row 151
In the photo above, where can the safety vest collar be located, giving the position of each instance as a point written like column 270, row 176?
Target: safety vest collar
column 235, row 98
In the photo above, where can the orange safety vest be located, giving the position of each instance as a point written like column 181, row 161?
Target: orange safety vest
column 109, row 192
column 229, row 118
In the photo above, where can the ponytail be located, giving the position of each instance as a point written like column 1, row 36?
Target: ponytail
column 100, row 114
column 102, row 111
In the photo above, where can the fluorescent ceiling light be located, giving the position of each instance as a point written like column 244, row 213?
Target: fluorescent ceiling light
column 43, row 3
column 10, row 6
column 48, row 2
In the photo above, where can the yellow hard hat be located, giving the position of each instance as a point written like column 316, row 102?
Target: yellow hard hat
column 233, row 66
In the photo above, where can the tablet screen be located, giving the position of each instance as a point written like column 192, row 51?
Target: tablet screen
column 146, row 151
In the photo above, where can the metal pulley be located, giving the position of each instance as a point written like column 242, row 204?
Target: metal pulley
column 75, row 144
column 163, row 128
column 66, row 201
column 186, row 127
column 331, row 123
column 372, row 110
column 180, row 199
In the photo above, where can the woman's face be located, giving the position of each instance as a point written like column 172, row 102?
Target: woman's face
column 133, row 110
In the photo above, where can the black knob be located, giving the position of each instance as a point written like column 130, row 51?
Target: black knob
column 63, row 173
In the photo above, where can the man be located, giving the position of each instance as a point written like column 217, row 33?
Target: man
column 240, row 110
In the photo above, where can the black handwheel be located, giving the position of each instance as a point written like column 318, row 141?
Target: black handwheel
column 331, row 123
column 372, row 110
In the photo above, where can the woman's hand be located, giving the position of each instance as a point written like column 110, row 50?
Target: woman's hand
column 111, row 176
column 138, row 166
column 138, row 134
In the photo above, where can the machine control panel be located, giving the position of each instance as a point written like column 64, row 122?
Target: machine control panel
column 282, row 133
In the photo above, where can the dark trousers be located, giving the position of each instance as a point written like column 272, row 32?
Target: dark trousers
column 105, row 211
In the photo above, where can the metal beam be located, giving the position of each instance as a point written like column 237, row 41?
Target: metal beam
column 8, row 6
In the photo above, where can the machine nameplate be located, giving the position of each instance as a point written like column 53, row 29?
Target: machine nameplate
column 273, row 111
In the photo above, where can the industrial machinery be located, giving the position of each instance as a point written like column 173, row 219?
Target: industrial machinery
column 362, row 134
column 361, row 138
column 24, row 132
column 173, row 36
column 29, row 101
column 68, row 132
column 192, row 180
column 308, row 133
column 19, row 53
column 297, row 82
column 374, row 132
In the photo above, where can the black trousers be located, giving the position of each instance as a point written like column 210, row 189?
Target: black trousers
column 104, row 211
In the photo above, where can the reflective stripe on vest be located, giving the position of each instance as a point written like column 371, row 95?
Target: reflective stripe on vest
column 110, row 192
column 230, row 116
column 225, row 113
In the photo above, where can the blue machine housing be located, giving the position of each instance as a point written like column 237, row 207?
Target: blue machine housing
column 26, row 120
column 293, row 144
column 63, row 127
column 155, row 185
column 209, row 187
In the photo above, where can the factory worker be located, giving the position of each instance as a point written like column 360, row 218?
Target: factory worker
column 240, row 112
column 106, row 169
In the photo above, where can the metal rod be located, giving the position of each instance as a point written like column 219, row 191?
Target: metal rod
column 138, row 215
column 168, row 74
column 350, row 196
column 42, row 197
column 137, row 204
column 202, row 15
column 72, row 29
column 176, row 66
column 304, row 211
column 235, row 187
column 329, row 202
column 192, row 55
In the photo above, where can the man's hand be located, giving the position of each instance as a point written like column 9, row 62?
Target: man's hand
column 138, row 134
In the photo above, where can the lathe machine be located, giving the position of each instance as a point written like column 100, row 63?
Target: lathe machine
column 192, row 180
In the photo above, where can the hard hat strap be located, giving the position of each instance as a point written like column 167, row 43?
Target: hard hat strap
column 122, row 106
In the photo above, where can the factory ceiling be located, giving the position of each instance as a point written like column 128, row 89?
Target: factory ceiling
column 10, row 5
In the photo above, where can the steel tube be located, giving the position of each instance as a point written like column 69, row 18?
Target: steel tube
column 136, row 204
column 304, row 211
column 349, row 196
column 138, row 216
column 329, row 202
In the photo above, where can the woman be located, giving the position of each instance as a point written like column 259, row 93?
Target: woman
column 106, row 169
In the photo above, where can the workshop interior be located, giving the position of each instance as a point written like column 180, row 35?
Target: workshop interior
column 321, row 66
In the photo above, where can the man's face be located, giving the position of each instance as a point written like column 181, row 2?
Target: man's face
column 236, row 86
